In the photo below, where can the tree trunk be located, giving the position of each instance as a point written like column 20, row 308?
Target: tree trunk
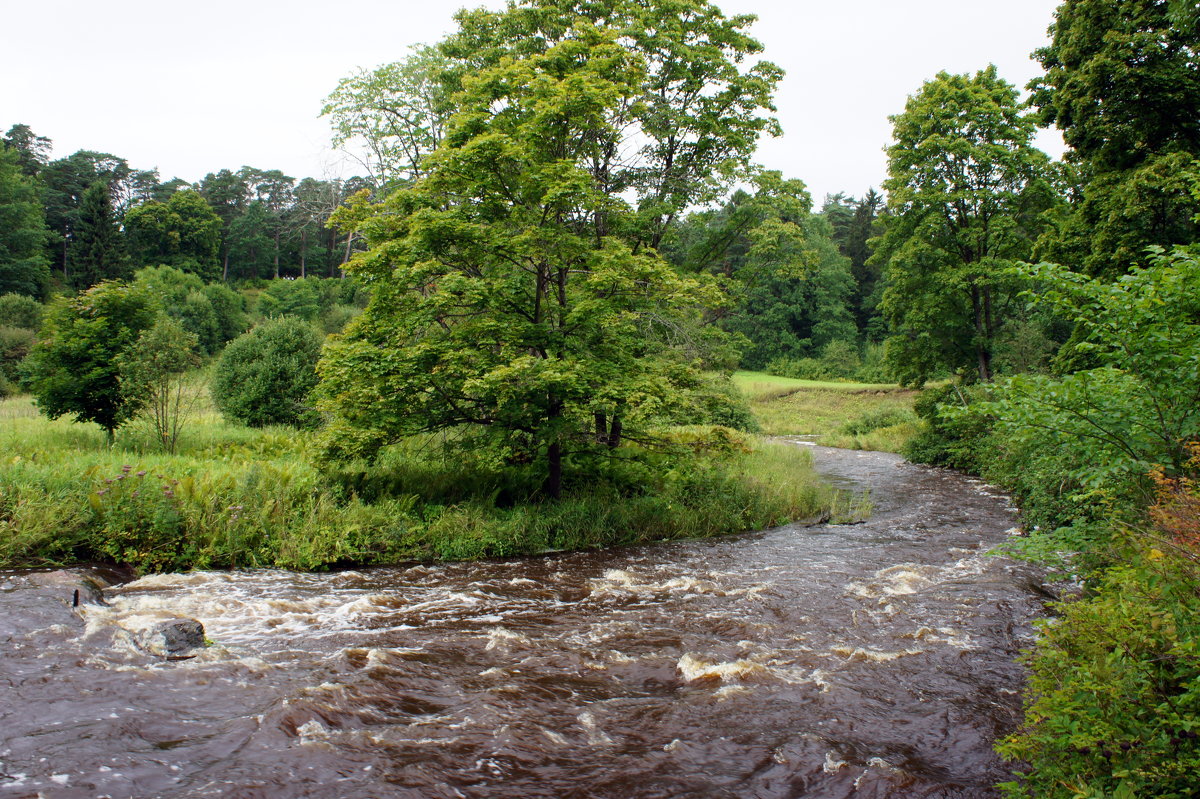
column 303, row 259
column 553, row 485
column 225, row 267
column 276, row 254
column 614, row 431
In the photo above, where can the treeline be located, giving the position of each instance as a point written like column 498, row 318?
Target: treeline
column 72, row 222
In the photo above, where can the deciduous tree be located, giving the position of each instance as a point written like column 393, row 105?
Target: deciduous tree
column 516, row 287
column 965, row 190
column 75, row 367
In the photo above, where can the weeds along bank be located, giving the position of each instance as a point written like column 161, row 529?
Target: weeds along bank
column 237, row 497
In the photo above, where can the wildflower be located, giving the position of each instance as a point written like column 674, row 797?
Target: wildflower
column 142, row 473
column 102, row 492
column 126, row 469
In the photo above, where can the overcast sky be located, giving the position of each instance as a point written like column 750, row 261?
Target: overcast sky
column 193, row 88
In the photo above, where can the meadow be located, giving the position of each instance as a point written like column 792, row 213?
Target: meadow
column 871, row 416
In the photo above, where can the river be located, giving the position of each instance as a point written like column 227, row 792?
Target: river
column 867, row 660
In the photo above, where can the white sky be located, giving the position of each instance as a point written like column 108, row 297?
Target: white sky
column 197, row 87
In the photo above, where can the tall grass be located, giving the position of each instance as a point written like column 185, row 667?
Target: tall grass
column 850, row 415
column 236, row 497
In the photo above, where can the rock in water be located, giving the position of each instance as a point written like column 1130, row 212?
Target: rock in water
column 173, row 638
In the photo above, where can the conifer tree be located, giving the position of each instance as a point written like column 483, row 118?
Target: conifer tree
column 98, row 250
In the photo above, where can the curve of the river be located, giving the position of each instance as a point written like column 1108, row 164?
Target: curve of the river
column 870, row 660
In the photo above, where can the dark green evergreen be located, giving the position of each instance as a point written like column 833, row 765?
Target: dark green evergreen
column 23, row 266
column 98, row 249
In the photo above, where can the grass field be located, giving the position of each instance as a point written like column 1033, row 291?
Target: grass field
column 874, row 416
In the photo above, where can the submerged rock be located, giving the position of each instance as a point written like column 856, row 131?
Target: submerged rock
column 76, row 587
column 173, row 638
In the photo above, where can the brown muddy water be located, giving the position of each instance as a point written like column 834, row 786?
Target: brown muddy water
column 871, row 660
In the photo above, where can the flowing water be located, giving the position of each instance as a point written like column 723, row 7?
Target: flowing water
column 870, row 660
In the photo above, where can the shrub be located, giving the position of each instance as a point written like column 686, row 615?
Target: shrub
column 292, row 297
column 17, row 310
column 264, row 376
column 15, row 345
column 214, row 313
column 1114, row 696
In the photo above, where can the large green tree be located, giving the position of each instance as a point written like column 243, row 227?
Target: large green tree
column 23, row 264
column 97, row 247
column 516, row 287
column 33, row 151
column 395, row 113
column 1122, row 84
column 75, row 367
column 183, row 232
column 966, row 188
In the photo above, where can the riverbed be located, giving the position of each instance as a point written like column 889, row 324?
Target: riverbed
column 866, row 660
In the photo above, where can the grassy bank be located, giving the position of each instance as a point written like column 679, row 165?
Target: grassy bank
column 851, row 415
column 236, row 497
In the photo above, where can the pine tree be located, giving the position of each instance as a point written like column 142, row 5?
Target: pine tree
column 98, row 250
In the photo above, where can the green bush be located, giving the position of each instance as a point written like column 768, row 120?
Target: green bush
column 949, row 438
column 1114, row 699
column 17, row 310
column 301, row 297
column 337, row 317
column 264, row 377
column 15, row 345
column 214, row 313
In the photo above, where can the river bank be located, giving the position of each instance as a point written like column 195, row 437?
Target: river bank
column 233, row 497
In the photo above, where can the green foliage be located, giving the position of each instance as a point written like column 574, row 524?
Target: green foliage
column 1114, row 698
column 214, row 313
column 183, row 232
column 97, row 249
column 1121, row 80
column 839, row 360
column 397, row 113
column 965, row 189
column 516, row 287
column 18, row 310
column 301, row 298
column 264, row 376
column 153, row 372
column 1139, row 408
column 789, row 286
column 1122, row 86
column 23, row 233
column 74, row 368
column 15, row 345
column 960, row 441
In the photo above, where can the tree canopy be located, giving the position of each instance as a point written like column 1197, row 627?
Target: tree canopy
column 965, row 189
column 517, row 290
column 23, row 233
